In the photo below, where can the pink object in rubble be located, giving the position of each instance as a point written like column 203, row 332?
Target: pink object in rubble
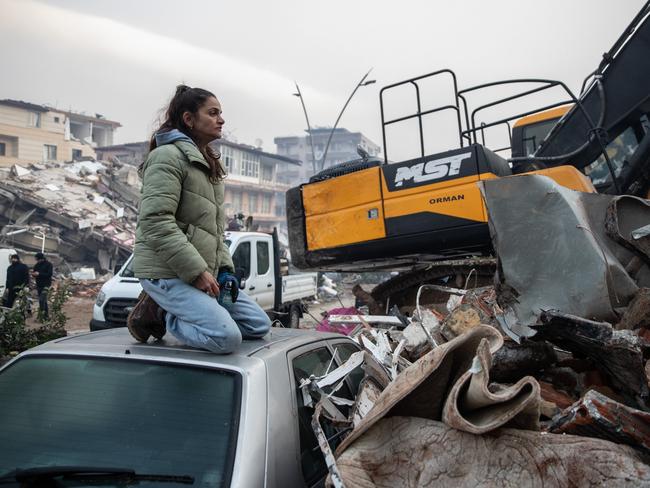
column 345, row 329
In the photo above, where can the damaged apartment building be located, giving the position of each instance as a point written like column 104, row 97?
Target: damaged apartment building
column 55, row 196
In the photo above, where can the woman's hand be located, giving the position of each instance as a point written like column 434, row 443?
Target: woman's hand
column 206, row 282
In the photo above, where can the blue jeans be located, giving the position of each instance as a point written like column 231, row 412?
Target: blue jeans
column 199, row 320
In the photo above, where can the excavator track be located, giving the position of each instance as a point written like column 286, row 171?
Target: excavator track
column 400, row 290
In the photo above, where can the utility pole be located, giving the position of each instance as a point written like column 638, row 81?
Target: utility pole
column 321, row 164
column 361, row 83
column 311, row 140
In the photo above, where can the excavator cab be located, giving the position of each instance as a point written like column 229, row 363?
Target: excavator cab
column 370, row 214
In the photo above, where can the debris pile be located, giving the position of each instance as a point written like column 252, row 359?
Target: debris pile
column 560, row 344
column 83, row 212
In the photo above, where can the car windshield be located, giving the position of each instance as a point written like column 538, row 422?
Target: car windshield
column 150, row 417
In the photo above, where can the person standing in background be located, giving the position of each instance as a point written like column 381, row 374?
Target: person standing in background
column 17, row 279
column 42, row 272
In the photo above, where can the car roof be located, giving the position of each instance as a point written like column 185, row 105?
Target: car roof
column 118, row 342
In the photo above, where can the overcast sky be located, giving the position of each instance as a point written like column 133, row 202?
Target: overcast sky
column 123, row 58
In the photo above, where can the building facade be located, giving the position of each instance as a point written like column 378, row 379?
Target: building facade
column 255, row 184
column 32, row 133
column 342, row 148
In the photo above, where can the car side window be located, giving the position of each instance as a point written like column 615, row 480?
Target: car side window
column 242, row 260
column 263, row 260
column 315, row 362
column 343, row 351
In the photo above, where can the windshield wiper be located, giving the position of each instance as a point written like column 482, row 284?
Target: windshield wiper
column 31, row 476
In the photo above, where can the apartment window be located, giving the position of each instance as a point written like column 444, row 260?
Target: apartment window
column 3, row 149
column 250, row 165
column 236, row 202
column 34, row 119
column 49, row 152
column 76, row 154
column 252, row 203
column 228, row 157
column 267, row 173
column 266, row 204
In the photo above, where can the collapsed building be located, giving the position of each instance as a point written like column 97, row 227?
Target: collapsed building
column 81, row 214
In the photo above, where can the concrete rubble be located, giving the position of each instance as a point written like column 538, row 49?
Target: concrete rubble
column 548, row 370
column 82, row 214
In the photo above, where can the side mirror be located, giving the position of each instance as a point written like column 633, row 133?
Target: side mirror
column 242, row 284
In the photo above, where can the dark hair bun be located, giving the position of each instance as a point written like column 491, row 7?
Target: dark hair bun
column 180, row 89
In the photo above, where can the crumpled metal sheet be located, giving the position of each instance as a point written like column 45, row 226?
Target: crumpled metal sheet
column 627, row 223
column 554, row 252
column 409, row 452
column 437, row 382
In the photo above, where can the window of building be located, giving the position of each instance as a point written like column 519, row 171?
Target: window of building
column 76, row 154
column 267, row 172
column 252, row 203
column 263, row 260
column 236, row 201
column 56, row 120
column 250, row 165
column 266, row 204
column 228, row 157
column 49, row 152
column 8, row 146
column 34, row 119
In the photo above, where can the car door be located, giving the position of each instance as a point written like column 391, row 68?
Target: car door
column 265, row 275
column 317, row 359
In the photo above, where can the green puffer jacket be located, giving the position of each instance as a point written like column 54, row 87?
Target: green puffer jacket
column 181, row 221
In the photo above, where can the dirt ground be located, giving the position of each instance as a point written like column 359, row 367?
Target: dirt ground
column 79, row 311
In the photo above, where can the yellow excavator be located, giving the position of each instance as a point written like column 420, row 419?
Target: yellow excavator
column 372, row 214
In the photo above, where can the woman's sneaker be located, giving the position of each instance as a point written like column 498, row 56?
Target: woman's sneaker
column 146, row 319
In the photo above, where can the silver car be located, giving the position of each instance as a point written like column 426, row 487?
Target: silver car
column 101, row 409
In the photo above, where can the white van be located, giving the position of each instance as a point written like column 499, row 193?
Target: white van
column 257, row 265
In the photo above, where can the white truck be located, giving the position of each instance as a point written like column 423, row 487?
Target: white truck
column 257, row 265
